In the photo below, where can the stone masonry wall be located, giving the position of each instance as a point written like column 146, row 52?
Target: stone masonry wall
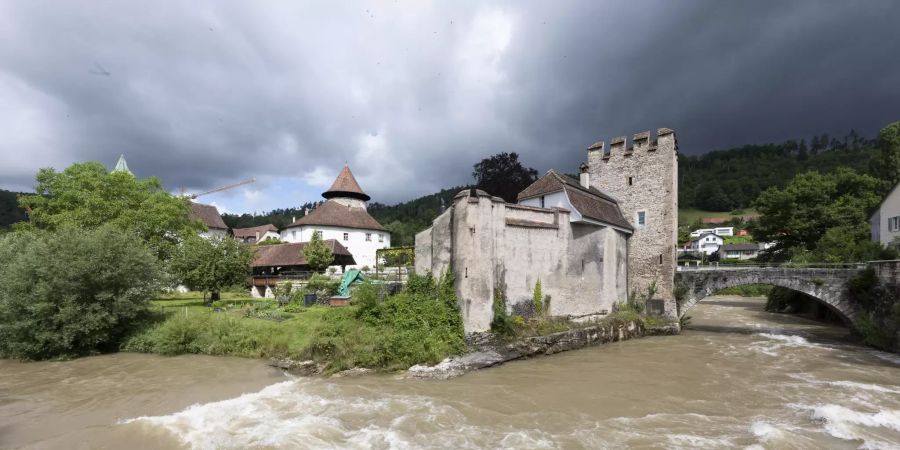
column 492, row 245
column 652, row 168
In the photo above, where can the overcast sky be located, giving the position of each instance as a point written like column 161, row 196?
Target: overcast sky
column 412, row 93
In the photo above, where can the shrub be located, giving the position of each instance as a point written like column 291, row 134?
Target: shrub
column 210, row 265
column 72, row 292
column 501, row 323
column 322, row 283
column 538, row 299
column 419, row 325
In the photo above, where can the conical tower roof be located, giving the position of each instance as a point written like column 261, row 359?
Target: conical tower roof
column 122, row 166
column 346, row 186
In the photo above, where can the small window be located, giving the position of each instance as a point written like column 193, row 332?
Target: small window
column 660, row 258
column 542, row 201
column 641, row 218
column 368, row 237
column 294, row 235
column 630, row 181
column 346, row 236
column 380, row 237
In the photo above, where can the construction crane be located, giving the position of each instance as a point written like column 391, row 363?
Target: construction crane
column 223, row 188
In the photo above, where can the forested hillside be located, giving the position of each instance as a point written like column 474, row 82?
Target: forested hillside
column 9, row 209
column 406, row 219
column 725, row 180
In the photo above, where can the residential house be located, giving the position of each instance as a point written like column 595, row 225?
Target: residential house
column 885, row 222
column 744, row 251
column 209, row 216
column 253, row 235
column 708, row 243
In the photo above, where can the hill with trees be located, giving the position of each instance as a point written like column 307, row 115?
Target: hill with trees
column 724, row 180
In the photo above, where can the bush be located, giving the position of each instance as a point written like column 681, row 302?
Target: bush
column 419, row 325
column 322, row 284
column 72, row 292
column 501, row 323
column 538, row 299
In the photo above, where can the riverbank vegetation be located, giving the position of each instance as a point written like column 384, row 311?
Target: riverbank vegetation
column 420, row 324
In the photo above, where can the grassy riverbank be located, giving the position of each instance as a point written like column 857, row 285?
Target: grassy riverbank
column 419, row 325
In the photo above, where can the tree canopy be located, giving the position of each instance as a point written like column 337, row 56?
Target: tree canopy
column 816, row 209
column 503, row 175
column 72, row 292
column 318, row 255
column 211, row 264
column 87, row 196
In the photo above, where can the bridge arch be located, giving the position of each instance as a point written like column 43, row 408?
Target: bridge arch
column 828, row 286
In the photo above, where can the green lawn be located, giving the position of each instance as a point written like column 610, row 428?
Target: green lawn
column 687, row 216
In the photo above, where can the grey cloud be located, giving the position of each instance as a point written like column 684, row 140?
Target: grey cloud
column 412, row 94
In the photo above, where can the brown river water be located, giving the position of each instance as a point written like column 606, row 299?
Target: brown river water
column 738, row 378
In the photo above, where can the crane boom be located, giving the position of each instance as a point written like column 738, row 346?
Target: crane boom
column 223, row 188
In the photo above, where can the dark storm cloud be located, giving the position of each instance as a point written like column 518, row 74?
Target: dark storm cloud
column 412, row 94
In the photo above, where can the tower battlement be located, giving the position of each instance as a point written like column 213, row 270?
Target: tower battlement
column 642, row 175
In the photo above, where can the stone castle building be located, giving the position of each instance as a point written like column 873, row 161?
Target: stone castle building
column 591, row 242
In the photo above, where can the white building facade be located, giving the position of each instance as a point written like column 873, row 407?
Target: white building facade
column 708, row 243
column 344, row 218
column 885, row 222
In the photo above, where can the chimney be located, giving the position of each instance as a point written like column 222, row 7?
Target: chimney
column 293, row 219
column 585, row 178
column 257, row 236
column 305, row 211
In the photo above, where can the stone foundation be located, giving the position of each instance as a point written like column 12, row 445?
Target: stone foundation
column 492, row 352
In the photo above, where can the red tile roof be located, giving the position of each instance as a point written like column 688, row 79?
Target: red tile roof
column 251, row 232
column 332, row 213
column 208, row 214
column 346, row 186
column 292, row 254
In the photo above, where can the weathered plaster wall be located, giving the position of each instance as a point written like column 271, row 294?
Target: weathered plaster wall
column 652, row 167
column 493, row 245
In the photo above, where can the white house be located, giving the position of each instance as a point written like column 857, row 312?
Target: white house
column 707, row 243
column 253, row 235
column 885, row 222
column 721, row 231
column 748, row 250
column 343, row 217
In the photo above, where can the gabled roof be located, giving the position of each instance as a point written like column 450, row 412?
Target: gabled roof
column 251, row 232
column 346, row 186
column 589, row 202
column 332, row 213
column 707, row 234
column 208, row 214
column 292, row 254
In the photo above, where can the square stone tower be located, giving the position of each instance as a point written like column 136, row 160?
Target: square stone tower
column 643, row 178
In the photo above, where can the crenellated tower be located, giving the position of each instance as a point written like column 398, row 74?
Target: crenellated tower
column 643, row 177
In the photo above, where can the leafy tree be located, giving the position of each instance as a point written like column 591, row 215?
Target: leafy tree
column 86, row 195
column 503, row 175
column 889, row 144
column 209, row 265
column 798, row 216
column 318, row 255
column 73, row 291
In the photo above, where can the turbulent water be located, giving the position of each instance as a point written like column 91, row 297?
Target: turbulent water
column 739, row 378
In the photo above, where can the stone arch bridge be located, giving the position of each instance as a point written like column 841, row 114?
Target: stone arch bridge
column 826, row 284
